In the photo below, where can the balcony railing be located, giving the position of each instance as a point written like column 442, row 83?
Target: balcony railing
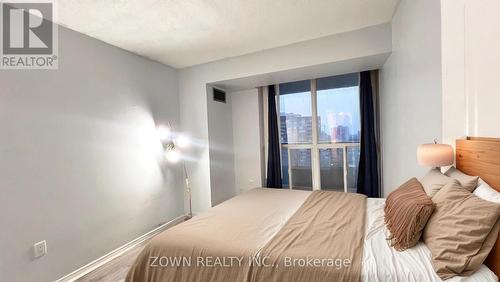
column 304, row 177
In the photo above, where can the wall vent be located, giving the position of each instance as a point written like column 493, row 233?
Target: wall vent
column 219, row 95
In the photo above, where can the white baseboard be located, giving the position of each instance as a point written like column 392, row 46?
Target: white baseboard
column 119, row 251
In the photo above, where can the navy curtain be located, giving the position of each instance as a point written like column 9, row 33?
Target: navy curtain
column 368, row 174
column 273, row 159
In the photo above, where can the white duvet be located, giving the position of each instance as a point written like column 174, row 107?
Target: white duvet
column 383, row 263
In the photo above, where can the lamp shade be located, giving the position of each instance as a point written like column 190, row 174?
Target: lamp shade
column 183, row 141
column 163, row 132
column 173, row 155
column 435, row 155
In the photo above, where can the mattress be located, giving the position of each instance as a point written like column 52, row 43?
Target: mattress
column 244, row 225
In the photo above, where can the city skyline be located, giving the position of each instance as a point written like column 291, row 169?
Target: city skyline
column 295, row 128
column 338, row 121
column 329, row 102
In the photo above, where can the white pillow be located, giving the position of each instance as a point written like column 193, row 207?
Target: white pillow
column 485, row 192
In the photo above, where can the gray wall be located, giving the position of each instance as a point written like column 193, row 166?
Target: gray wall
column 80, row 164
column 410, row 90
column 357, row 45
column 248, row 141
column 220, row 139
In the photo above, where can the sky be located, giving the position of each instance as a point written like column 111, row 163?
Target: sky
column 333, row 101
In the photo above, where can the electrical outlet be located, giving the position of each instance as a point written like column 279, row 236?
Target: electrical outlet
column 40, row 249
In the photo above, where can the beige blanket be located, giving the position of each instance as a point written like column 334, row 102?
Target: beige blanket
column 252, row 236
column 323, row 241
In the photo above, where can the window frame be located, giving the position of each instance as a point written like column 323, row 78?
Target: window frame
column 315, row 146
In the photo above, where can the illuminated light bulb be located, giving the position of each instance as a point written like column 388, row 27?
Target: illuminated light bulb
column 163, row 133
column 173, row 156
column 183, row 141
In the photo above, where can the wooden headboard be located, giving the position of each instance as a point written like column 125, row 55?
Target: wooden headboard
column 481, row 156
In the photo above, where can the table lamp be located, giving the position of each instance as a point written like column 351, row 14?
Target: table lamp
column 435, row 155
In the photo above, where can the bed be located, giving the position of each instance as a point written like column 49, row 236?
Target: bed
column 273, row 234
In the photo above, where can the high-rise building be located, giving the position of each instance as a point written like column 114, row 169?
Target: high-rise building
column 295, row 128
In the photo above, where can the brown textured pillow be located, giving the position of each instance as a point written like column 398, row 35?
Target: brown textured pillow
column 467, row 181
column 407, row 210
column 434, row 180
column 458, row 231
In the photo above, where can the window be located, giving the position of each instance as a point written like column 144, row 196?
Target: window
column 320, row 133
column 338, row 109
column 295, row 112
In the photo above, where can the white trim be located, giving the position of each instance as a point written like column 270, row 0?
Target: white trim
column 344, row 154
column 290, row 185
column 262, row 138
column 320, row 145
column 265, row 120
column 315, row 165
column 119, row 251
column 278, row 118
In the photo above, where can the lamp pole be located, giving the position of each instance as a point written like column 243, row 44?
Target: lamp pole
column 188, row 190
column 170, row 143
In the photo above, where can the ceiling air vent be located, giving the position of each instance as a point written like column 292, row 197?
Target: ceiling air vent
column 219, row 95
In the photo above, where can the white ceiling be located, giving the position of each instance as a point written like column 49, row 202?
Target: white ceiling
column 183, row 33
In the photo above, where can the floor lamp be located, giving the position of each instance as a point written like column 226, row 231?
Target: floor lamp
column 173, row 144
